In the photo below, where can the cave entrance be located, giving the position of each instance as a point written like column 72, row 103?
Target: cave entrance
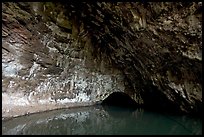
column 119, row 99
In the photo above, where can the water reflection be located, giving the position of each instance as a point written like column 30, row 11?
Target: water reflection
column 98, row 120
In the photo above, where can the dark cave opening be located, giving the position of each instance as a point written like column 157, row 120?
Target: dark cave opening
column 119, row 99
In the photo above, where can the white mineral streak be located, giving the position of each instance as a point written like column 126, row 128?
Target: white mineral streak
column 11, row 84
column 33, row 70
column 195, row 55
column 46, row 41
column 81, row 97
column 52, row 49
column 35, row 56
column 11, row 69
column 72, row 84
column 178, row 89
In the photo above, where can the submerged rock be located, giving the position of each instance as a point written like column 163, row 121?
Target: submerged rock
column 62, row 53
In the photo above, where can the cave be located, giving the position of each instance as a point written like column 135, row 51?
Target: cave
column 66, row 51
column 119, row 99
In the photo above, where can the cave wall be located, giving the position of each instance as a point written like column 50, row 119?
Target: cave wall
column 157, row 45
column 56, row 54
column 45, row 66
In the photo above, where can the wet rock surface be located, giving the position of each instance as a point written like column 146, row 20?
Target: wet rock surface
column 62, row 53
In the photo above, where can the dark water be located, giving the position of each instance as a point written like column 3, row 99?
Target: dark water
column 98, row 120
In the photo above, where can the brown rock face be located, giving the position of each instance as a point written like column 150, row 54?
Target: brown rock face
column 57, row 54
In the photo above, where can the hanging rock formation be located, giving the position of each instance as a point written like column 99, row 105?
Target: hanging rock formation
column 57, row 55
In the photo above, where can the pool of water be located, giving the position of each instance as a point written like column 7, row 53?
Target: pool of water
column 99, row 120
